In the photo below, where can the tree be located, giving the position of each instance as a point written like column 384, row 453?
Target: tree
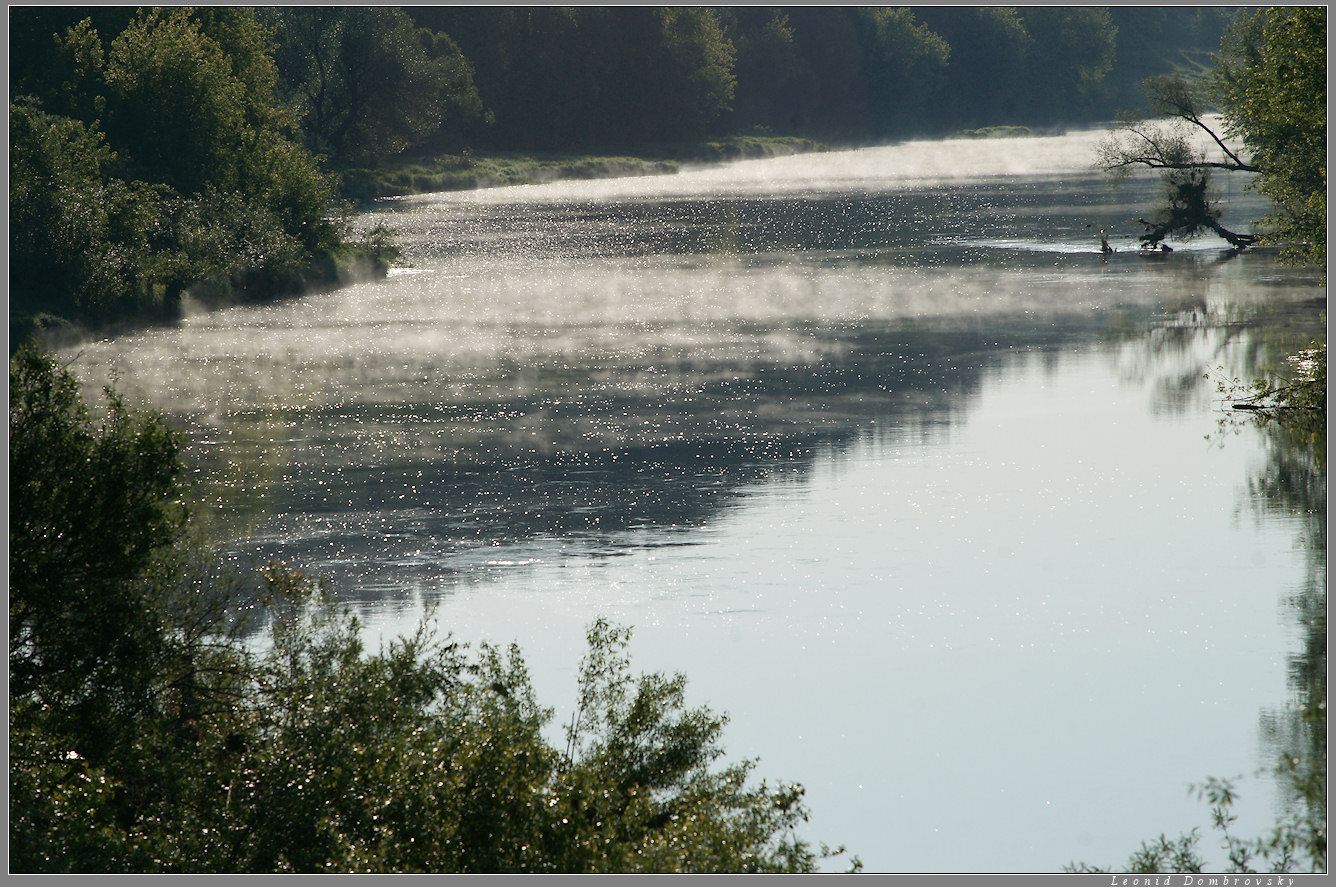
column 367, row 83
column 1272, row 83
column 990, row 47
column 421, row 758
column 153, row 162
column 79, row 238
column 540, row 71
column 1156, row 41
column 1073, row 51
column 91, row 504
column 686, row 80
column 830, row 94
column 1274, row 100
column 176, row 108
column 767, row 66
column 1189, row 207
column 906, row 65
column 575, row 78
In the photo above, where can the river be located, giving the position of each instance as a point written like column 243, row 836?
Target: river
column 875, row 446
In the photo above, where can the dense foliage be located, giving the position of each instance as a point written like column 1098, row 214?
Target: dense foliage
column 149, row 732
column 584, row 77
column 567, row 78
column 149, row 153
column 1272, row 83
column 366, row 82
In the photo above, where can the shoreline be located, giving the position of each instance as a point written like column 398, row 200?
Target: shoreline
column 468, row 171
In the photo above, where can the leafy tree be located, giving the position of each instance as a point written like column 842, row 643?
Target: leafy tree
column 990, row 48
column 176, row 108
column 420, row 758
column 368, row 83
column 687, row 79
column 579, row 77
column 539, row 70
column 906, row 64
column 1190, row 206
column 1272, row 84
column 119, row 689
column 1073, row 51
column 638, row 759
column 1160, row 41
column 111, row 680
column 90, row 505
column 767, row 65
column 80, row 239
column 155, row 161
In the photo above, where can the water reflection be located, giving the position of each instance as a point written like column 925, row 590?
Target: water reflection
column 599, row 470
column 1294, row 484
column 999, row 223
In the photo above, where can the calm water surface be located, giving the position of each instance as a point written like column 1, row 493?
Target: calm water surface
column 874, row 446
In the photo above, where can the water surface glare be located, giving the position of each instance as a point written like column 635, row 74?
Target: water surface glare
column 875, row 446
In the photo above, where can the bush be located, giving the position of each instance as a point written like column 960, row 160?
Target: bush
column 79, row 238
column 146, row 735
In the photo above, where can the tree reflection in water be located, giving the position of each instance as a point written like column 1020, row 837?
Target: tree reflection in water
column 1294, row 482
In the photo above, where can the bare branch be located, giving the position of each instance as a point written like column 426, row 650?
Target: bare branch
column 1235, row 162
column 1173, row 97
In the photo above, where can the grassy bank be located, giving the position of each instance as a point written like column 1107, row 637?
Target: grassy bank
column 995, row 132
column 467, row 171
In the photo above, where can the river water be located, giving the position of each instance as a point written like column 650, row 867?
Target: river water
column 875, row 446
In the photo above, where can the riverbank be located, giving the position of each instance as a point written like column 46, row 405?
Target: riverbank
column 469, row 171
column 350, row 261
column 359, row 260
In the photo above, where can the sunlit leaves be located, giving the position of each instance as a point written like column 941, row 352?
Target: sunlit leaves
column 90, row 503
column 424, row 758
column 148, row 157
column 177, row 108
column 1272, row 80
column 79, row 237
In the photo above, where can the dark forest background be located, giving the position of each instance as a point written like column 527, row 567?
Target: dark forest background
column 367, row 84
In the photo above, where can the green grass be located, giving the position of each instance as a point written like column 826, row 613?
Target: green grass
column 995, row 132
column 461, row 172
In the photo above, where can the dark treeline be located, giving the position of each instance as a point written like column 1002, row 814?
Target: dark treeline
column 600, row 78
column 155, row 152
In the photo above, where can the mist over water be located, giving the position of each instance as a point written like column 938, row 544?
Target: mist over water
column 873, row 445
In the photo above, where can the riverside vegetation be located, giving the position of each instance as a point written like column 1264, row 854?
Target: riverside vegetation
column 147, row 736
column 156, row 159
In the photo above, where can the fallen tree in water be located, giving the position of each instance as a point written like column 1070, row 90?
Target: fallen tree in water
column 1188, row 209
